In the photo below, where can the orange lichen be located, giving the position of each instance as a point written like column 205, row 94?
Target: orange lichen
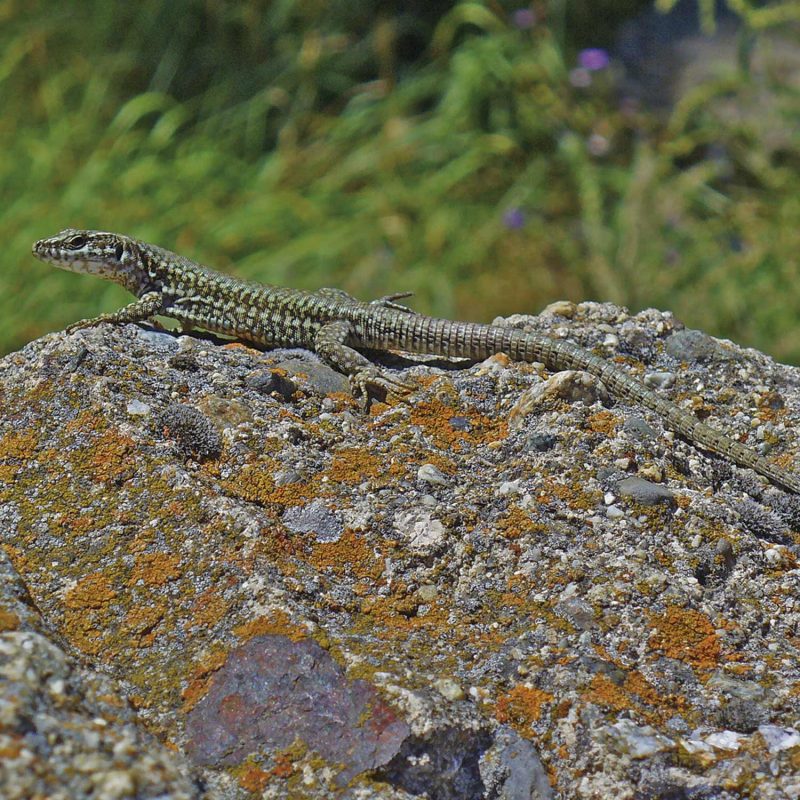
column 155, row 569
column 351, row 555
column 738, row 669
column 12, row 749
column 87, row 616
column 633, row 693
column 85, row 632
column 284, row 768
column 352, row 465
column 252, row 778
column 93, row 591
column 89, row 419
column 434, row 417
column 514, row 523
column 392, row 618
column 603, row 422
column 686, row 635
column 660, row 707
column 201, row 678
column 208, row 609
column 76, row 525
column 255, row 483
column 604, row 692
column 108, row 457
column 521, row 706
column 8, row 472
column 140, row 623
column 574, row 494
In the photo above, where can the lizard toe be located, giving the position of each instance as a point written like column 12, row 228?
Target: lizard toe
column 372, row 381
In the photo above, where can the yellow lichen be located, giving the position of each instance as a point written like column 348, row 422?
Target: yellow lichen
column 278, row 622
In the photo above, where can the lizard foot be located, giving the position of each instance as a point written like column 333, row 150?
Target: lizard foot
column 372, row 381
column 388, row 301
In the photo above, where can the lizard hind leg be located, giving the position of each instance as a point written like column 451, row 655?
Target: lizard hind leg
column 387, row 301
column 330, row 344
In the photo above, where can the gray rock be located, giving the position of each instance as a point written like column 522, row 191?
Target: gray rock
column 697, row 347
column 637, row 427
column 320, row 377
column 512, row 770
column 314, row 518
column 645, row 492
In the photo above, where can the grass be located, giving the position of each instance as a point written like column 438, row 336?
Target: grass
column 446, row 151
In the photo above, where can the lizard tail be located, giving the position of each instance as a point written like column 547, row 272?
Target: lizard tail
column 559, row 354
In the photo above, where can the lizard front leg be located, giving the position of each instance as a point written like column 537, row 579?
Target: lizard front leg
column 147, row 306
column 330, row 344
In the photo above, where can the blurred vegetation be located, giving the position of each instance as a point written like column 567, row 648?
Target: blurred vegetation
column 457, row 149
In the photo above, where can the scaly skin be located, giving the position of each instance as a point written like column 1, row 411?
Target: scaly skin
column 334, row 324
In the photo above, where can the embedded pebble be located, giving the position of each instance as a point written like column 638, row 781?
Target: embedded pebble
column 137, row 408
column 564, row 308
column 636, row 741
column 570, row 385
column 644, row 492
column 431, row 474
column 421, row 531
column 659, row 380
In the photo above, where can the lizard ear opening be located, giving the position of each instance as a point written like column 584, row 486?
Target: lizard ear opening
column 118, row 251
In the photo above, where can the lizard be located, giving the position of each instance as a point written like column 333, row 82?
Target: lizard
column 336, row 326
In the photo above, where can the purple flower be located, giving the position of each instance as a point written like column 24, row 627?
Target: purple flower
column 523, row 18
column 514, row 218
column 594, row 59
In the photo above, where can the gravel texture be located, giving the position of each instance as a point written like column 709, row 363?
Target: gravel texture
column 222, row 580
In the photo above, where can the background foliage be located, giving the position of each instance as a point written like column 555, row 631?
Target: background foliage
column 474, row 152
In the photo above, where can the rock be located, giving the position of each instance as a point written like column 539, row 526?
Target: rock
column 273, row 594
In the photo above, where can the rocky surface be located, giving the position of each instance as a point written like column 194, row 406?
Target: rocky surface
column 222, row 580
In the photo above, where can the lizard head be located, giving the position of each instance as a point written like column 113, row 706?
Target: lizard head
column 108, row 255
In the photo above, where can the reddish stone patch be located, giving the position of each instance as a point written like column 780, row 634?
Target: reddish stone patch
column 272, row 692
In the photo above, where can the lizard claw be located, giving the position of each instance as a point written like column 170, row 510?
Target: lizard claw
column 372, row 381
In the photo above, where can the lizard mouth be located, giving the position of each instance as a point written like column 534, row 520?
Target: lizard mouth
column 43, row 251
column 48, row 252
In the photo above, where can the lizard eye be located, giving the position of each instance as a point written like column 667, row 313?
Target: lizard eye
column 76, row 242
column 118, row 251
